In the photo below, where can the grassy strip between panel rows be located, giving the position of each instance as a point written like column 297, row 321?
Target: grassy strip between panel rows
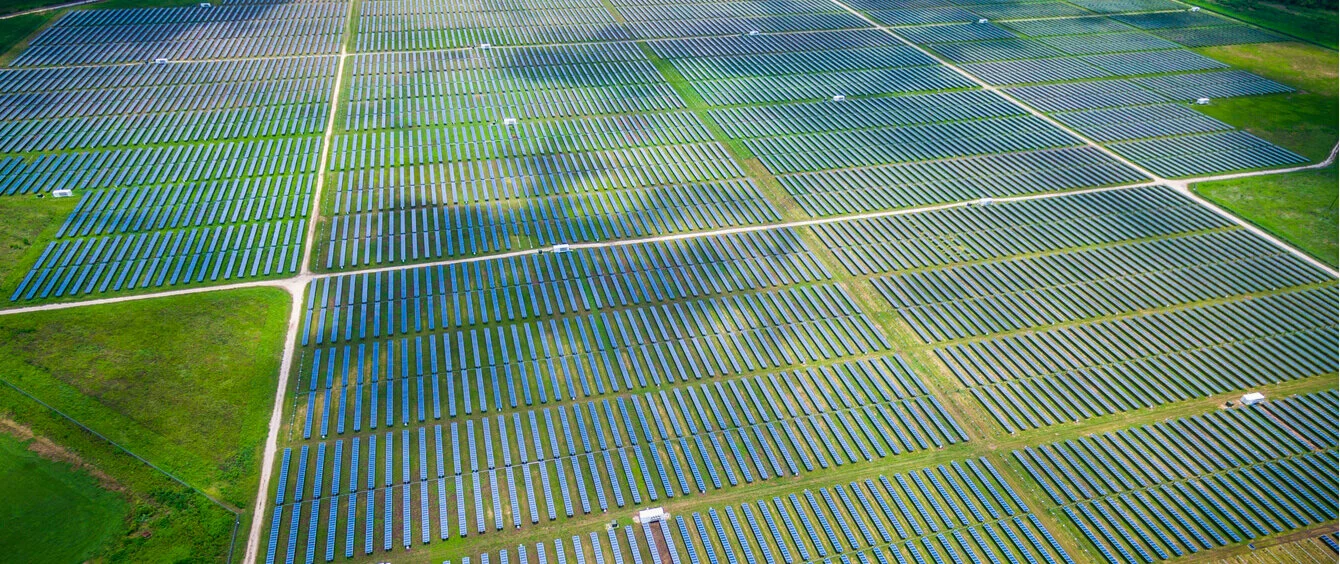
column 786, row 206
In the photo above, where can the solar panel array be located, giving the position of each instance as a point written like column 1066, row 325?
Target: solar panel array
column 1182, row 486
column 942, row 142
column 187, row 172
column 554, row 463
column 539, row 385
column 592, row 354
column 657, row 19
column 471, row 128
column 972, row 234
column 1012, row 294
column 475, row 399
column 1123, row 62
column 389, row 25
column 493, row 174
column 232, row 31
column 953, row 512
column 356, row 307
column 499, row 420
column 969, row 273
column 1127, row 364
column 1066, row 45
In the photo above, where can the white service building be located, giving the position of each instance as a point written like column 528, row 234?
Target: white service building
column 651, row 515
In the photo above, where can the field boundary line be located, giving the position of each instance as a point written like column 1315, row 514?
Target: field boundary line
column 237, row 514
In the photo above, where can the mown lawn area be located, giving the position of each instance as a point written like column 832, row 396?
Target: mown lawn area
column 52, row 511
column 29, row 223
column 185, row 381
column 1299, row 207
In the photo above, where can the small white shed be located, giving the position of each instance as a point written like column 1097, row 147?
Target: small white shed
column 1253, row 398
column 651, row 515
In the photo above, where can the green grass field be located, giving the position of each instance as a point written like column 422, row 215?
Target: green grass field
column 159, row 520
column 185, row 381
column 1303, row 121
column 1299, row 207
column 29, row 224
column 1310, row 24
column 41, row 498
